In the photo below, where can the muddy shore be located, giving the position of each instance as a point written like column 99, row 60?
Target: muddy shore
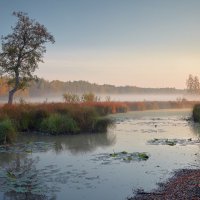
column 184, row 185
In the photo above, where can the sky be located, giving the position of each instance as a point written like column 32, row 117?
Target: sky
column 145, row 43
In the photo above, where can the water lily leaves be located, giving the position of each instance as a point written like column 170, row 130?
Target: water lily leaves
column 29, row 147
column 22, row 177
column 123, row 156
column 173, row 142
column 143, row 156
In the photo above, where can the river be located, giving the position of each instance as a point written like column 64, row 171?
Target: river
column 82, row 167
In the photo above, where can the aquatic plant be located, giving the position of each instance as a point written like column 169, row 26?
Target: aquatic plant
column 29, row 147
column 170, row 142
column 143, row 156
column 124, row 152
column 113, row 154
column 22, row 180
column 173, row 142
column 125, row 156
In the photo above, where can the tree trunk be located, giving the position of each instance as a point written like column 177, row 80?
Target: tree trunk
column 11, row 95
column 12, row 92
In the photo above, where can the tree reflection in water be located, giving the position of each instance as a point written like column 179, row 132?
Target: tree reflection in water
column 84, row 142
column 21, row 180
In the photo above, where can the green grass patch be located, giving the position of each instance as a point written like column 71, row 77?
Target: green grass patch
column 59, row 124
column 7, row 132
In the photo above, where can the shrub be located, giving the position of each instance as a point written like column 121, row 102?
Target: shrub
column 85, row 118
column 89, row 97
column 36, row 117
column 58, row 124
column 7, row 131
column 71, row 98
column 23, row 122
column 102, row 124
column 196, row 113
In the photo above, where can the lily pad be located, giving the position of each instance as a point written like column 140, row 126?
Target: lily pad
column 121, row 156
column 143, row 156
column 173, row 142
column 29, row 147
column 21, row 178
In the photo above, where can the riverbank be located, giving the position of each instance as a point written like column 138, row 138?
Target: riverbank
column 51, row 119
column 80, row 164
column 185, row 184
column 70, row 118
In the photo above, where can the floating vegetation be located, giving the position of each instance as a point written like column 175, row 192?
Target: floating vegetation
column 29, row 147
column 173, row 142
column 22, row 179
column 121, row 156
column 124, row 152
column 125, row 156
column 170, row 143
column 143, row 156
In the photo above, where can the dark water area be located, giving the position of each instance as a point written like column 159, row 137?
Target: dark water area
column 89, row 166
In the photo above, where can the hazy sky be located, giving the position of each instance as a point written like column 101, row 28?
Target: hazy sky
column 147, row 43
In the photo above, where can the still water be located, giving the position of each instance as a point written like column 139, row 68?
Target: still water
column 80, row 167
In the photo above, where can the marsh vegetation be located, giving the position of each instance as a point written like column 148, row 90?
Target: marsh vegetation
column 135, row 147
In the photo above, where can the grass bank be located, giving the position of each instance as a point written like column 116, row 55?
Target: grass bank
column 54, row 119
column 69, row 118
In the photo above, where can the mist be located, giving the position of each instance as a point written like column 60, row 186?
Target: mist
column 111, row 97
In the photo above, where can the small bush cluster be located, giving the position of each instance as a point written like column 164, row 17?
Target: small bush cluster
column 75, row 98
column 59, row 124
column 7, row 132
column 196, row 113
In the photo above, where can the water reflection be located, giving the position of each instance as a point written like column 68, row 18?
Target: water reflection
column 22, row 180
column 28, row 196
column 6, row 158
column 84, row 143
column 195, row 127
column 87, row 176
column 76, row 144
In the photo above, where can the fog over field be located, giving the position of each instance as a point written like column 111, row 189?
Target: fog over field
column 115, row 97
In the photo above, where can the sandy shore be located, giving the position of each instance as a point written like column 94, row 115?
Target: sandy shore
column 184, row 185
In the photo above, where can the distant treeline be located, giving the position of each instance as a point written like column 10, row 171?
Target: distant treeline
column 43, row 87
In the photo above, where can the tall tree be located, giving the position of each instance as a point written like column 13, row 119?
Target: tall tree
column 193, row 84
column 22, row 50
column 190, row 83
column 196, row 85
